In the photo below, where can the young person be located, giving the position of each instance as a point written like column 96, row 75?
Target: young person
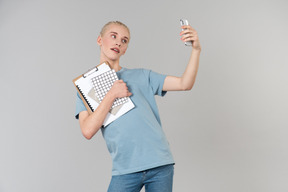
column 139, row 149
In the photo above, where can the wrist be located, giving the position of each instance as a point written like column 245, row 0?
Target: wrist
column 196, row 50
column 111, row 96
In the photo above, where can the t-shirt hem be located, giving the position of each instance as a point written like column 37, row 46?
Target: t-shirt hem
column 135, row 170
column 163, row 93
column 77, row 115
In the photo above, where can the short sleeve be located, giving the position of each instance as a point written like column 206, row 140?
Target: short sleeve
column 79, row 106
column 156, row 81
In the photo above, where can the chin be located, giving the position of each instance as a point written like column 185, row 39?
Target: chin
column 114, row 57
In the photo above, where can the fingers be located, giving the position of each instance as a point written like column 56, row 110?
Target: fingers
column 187, row 29
column 189, row 34
column 120, row 82
column 129, row 94
column 120, row 89
column 125, row 93
column 189, row 37
column 125, row 89
column 186, row 38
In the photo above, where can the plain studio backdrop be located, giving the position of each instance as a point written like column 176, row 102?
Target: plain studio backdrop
column 228, row 134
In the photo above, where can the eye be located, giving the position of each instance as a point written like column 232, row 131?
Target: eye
column 113, row 36
column 124, row 41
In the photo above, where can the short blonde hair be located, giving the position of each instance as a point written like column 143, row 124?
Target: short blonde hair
column 104, row 28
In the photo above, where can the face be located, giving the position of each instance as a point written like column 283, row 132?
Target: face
column 114, row 42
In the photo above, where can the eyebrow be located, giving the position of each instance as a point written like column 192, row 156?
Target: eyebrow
column 117, row 34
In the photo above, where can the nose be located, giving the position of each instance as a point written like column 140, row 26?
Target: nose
column 118, row 42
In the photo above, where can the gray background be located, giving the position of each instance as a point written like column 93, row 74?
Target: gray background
column 228, row 134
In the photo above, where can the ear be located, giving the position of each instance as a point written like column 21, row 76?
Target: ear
column 99, row 40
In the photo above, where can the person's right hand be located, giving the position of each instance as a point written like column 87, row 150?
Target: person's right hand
column 119, row 89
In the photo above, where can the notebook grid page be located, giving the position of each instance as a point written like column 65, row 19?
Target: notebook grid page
column 103, row 83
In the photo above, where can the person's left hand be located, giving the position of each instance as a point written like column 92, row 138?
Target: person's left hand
column 190, row 34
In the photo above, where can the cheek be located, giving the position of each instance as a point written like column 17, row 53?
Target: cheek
column 124, row 50
column 106, row 42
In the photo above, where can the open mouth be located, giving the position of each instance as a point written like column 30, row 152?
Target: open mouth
column 115, row 50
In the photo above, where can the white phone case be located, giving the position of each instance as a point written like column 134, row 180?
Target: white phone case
column 185, row 22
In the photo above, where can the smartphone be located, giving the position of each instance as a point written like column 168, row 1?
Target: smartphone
column 185, row 22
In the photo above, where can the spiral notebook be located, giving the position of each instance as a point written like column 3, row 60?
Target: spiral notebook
column 92, row 87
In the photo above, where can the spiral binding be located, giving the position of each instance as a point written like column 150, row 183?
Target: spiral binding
column 90, row 106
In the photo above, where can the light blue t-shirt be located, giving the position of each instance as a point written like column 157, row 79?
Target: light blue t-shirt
column 136, row 140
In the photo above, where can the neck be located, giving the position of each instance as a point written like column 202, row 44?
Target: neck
column 113, row 64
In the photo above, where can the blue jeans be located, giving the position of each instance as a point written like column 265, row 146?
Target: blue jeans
column 159, row 179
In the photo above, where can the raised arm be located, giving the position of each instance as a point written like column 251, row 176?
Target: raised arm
column 90, row 124
column 187, row 80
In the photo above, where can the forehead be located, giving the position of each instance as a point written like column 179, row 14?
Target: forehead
column 119, row 29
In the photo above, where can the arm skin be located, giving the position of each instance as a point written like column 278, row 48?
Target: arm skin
column 187, row 80
column 90, row 124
